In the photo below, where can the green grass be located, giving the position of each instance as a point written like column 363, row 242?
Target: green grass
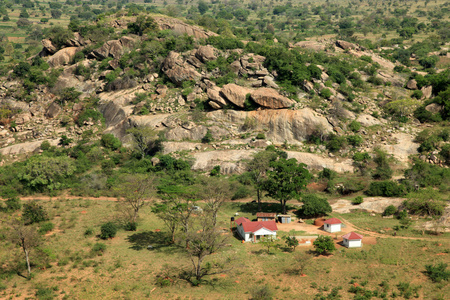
column 127, row 269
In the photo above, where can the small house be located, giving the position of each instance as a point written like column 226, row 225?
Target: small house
column 284, row 218
column 253, row 231
column 332, row 225
column 262, row 216
column 352, row 240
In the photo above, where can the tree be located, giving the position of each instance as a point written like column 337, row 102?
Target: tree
column 202, row 7
column 291, row 242
column 144, row 139
column 303, row 259
column 26, row 237
column 324, row 244
column 268, row 242
column 438, row 273
column 383, row 170
column 257, row 169
column 34, row 213
column 134, row 190
column 286, row 180
column 142, row 25
column 205, row 240
column 425, row 202
column 314, row 206
column 110, row 141
column 214, row 191
column 56, row 13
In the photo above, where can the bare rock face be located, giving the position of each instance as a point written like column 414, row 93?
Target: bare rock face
column 77, row 41
column 313, row 45
column 235, row 94
column 177, row 70
column 205, row 53
column 270, row 98
column 293, row 126
column 346, row 45
column 26, row 147
column 181, row 28
column 427, row 92
column 62, row 57
column 367, row 120
column 53, row 110
column 412, row 84
column 113, row 48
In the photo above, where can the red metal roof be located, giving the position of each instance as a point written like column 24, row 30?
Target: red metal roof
column 265, row 215
column 242, row 220
column 333, row 221
column 352, row 236
column 255, row 226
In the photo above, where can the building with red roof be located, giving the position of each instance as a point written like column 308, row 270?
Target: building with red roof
column 332, row 225
column 253, row 231
column 352, row 240
column 262, row 216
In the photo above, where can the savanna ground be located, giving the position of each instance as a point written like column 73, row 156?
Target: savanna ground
column 128, row 270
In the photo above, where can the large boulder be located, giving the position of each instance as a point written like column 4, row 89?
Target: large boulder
column 178, row 70
column 412, row 84
column 270, row 98
column 214, row 95
column 346, row 45
column 53, row 110
column 235, row 94
column 113, row 48
column 62, row 57
column 205, row 53
column 77, row 41
column 427, row 92
column 49, row 48
column 181, row 28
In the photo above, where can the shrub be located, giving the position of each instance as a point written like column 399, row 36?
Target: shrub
column 260, row 136
column 241, row 192
column 13, row 204
column 326, row 93
column 108, row 230
column 130, row 226
column 262, row 293
column 358, row 200
column 355, row 140
column 110, row 141
column 336, row 143
column 438, row 273
column 92, row 114
column 99, row 248
column 327, row 173
column 354, row 126
column 314, row 206
column 89, row 231
column 208, row 138
column 390, row 210
column 386, row 188
column 46, row 227
column 324, row 244
column 417, row 94
column 34, row 213
column 215, row 171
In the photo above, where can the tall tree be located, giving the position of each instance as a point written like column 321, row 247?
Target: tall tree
column 286, row 180
column 215, row 191
column 133, row 192
column 205, row 240
column 257, row 169
column 144, row 139
column 26, row 237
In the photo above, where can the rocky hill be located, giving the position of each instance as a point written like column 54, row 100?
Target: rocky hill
column 181, row 96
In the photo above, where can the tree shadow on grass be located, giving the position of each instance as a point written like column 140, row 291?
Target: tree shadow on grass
column 151, row 241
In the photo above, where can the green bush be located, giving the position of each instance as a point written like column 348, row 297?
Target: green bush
column 208, row 138
column 260, row 136
column 215, row 171
column 336, row 143
column 386, row 188
column 98, row 248
column 108, row 230
column 34, row 213
column 358, row 200
column 241, row 192
column 130, row 226
column 110, row 141
column 355, row 140
column 324, row 244
column 354, row 126
column 390, row 210
column 262, row 293
column 315, row 206
column 46, row 227
column 13, row 204
column 328, row 174
column 326, row 93
column 89, row 231
column 87, row 114
column 438, row 273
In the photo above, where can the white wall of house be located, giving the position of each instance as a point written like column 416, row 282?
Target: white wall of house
column 264, row 232
column 352, row 243
column 249, row 236
column 332, row 227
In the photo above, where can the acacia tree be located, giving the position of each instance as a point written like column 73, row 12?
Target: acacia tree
column 215, row 191
column 144, row 139
column 303, row 259
column 26, row 237
column 286, row 180
column 205, row 239
column 324, row 244
column 133, row 191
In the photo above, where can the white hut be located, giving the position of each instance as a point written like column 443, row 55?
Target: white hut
column 352, row 240
column 332, row 225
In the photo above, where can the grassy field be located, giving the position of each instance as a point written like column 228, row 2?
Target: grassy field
column 127, row 270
